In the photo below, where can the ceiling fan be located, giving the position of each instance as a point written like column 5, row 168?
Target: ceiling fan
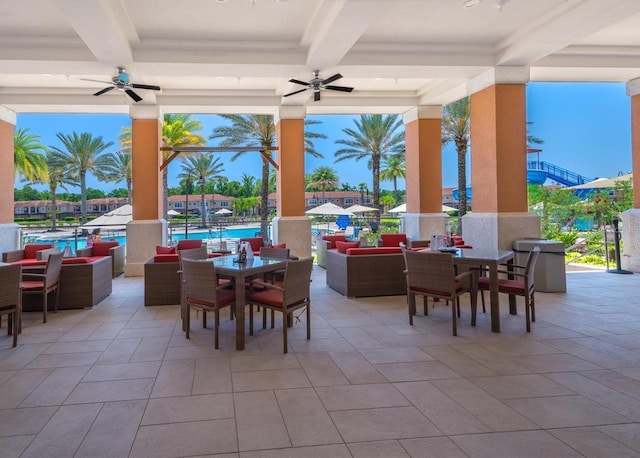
column 317, row 83
column 121, row 82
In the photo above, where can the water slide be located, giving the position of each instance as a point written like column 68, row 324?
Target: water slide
column 539, row 171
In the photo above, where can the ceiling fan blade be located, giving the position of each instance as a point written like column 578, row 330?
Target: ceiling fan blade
column 146, row 86
column 133, row 95
column 339, row 88
column 106, row 89
column 96, row 81
column 316, row 96
column 304, row 83
column 331, row 79
column 294, row 92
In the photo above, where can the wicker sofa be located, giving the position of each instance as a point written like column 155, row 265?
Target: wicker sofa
column 113, row 249
column 366, row 271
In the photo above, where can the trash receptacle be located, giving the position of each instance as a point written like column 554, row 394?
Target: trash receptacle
column 550, row 273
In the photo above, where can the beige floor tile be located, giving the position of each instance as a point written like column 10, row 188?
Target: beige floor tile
column 212, row 375
column 63, row 434
column 106, row 331
column 629, row 434
column 188, row 408
column 241, row 363
column 359, row 338
column 56, row 388
column 420, row 370
column 185, row 439
column 395, row 355
column 321, row 370
column 64, row 360
column 175, row 378
column 112, row 390
column 259, row 421
column 350, row 397
column 520, row 386
column 382, row 424
column 119, row 351
column 20, row 385
column 522, row 444
column 12, row 359
column 315, row 344
column 320, row 451
column 150, row 349
column 269, row 380
column 381, row 449
column 18, row 422
column 617, row 380
column 555, row 363
column 458, row 361
column 593, row 443
column 432, row 447
column 12, row 447
column 356, row 368
column 125, row 371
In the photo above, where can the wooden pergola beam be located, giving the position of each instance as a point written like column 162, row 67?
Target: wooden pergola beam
column 176, row 150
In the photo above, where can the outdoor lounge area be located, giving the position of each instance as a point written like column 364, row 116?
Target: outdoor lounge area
column 120, row 379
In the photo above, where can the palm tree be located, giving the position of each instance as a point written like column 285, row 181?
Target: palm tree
column 82, row 154
column 374, row 139
column 323, row 178
column 456, row 123
column 203, row 167
column 29, row 158
column 177, row 130
column 387, row 200
column 259, row 130
column 248, row 183
column 363, row 188
column 57, row 176
column 118, row 168
column 394, row 167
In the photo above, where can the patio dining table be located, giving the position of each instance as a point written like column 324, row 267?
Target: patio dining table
column 240, row 272
column 490, row 259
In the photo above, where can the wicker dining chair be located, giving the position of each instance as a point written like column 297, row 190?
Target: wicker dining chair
column 202, row 291
column 292, row 294
column 524, row 286
column 432, row 274
column 11, row 298
column 45, row 283
column 190, row 253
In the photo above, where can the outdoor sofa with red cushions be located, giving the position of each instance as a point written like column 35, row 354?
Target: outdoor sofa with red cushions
column 161, row 278
column 110, row 248
column 367, row 271
column 327, row 242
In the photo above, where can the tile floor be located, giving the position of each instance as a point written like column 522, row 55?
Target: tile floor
column 121, row 380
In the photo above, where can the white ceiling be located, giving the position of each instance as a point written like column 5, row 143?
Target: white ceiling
column 237, row 55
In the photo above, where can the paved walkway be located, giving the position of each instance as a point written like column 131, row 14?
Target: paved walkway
column 121, row 380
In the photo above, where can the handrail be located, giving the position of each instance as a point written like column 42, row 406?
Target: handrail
column 562, row 175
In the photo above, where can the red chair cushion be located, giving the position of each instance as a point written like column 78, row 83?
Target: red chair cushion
column 279, row 245
column 189, row 244
column 380, row 250
column 214, row 255
column 504, row 285
column 344, row 246
column 102, row 248
column 271, row 297
column 165, row 249
column 32, row 285
column 166, row 258
column 393, row 239
column 31, row 250
column 255, row 242
column 81, row 260
column 29, row 262
column 225, row 296
column 334, row 238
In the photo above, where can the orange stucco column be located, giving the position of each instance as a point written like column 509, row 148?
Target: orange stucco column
column 424, row 165
column 635, row 147
column 498, row 149
column 290, row 176
column 146, row 176
column 7, row 172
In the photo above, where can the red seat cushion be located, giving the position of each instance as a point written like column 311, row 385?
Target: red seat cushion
column 31, row 249
column 334, row 238
column 166, row 258
column 344, row 246
column 81, row 260
column 372, row 250
column 434, row 291
column 393, row 239
column 505, row 285
column 225, row 296
column 29, row 262
column 102, row 248
column 255, row 242
column 32, row 285
column 271, row 297
column 189, row 244
column 279, row 245
column 165, row 249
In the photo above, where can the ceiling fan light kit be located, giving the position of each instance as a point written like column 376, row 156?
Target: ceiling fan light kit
column 122, row 82
column 317, row 84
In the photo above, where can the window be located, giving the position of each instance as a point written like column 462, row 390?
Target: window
column 348, row 201
column 313, row 201
column 224, row 203
column 177, row 205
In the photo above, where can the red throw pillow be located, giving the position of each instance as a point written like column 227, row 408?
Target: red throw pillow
column 255, row 242
column 334, row 238
column 165, row 249
column 279, row 245
column 31, row 250
column 393, row 239
column 189, row 244
column 344, row 246
column 102, row 248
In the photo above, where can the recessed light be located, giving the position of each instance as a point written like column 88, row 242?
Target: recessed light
column 222, row 1
column 283, row 2
column 471, row 3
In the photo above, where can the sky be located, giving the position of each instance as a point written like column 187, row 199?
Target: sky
column 585, row 127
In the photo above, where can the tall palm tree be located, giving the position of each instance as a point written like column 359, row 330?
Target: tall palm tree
column 374, row 138
column 202, row 167
column 259, row 130
column 456, row 124
column 363, row 188
column 118, row 168
column 394, row 167
column 57, row 177
column 177, row 130
column 323, row 178
column 29, row 157
column 82, row 154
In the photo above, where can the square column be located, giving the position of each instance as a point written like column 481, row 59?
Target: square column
column 423, row 142
column 9, row 231
column 147, row 229
column 291, row 226
column 630, row 258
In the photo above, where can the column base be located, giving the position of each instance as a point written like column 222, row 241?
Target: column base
column 498, row 231
column 630, row 256
column 142, row 238
column 421, row 226
column 295, row 231
column 9, row 237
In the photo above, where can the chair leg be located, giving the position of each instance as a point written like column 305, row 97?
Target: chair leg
column 308, row 321
column 250, row 319
column 533, row 307
column 412, row 306
column 284, row 330
column 264, row 318
column 44, row 306
column 484, row 310
column 458, row 306
column 527, row 312
column 454, row 319
column 474, row 307
column 204, row 319
column 187, row 318
column 425, row 304
column 55, row 303
column 273, row 317
column 215, row 329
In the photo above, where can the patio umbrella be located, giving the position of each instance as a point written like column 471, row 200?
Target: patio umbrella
column 357, row 208
column 173, row 213
column 403, row 209
column 223, row 211
column 328, row 209
column 118, row 217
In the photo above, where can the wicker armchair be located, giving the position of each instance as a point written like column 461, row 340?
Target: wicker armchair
column 11, row 298
column 45, row 283
column 292, row 295
column 432, row 274
column 192, row 253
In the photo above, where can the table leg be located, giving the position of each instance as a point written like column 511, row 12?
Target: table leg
column 240, row 302
column 513, row 310
column 494, row 297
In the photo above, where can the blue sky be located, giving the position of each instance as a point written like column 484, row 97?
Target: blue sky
column 586, row 128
